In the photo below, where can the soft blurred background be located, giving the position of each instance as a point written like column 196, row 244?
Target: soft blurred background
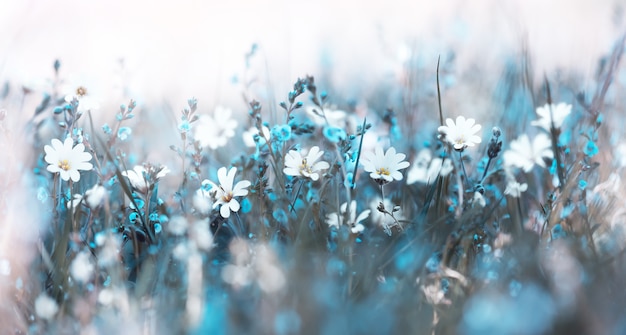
column 168, row 51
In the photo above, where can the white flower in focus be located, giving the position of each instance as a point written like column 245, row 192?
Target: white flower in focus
column 559, row 113
column 306, row 166
column 214, row 132
column 525, row 155
column 354, row 221
column 384, row 167
column 248, row 136
column 225, row 193
column 46, row 307
column 425, row 169
column 67, row 159
column 461, row 134
column 81, row 268
column 515, row 189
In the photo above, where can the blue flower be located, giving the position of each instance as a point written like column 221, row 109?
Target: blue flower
column 334, row 134
column 281, row 133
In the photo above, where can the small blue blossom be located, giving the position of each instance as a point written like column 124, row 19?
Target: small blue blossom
column 591, row 149
column 184, row 127
column 246, row 205
column 124, row 133
column 281, row 133
column 334, row 134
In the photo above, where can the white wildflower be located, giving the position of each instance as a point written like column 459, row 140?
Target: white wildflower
column 461, row 134
column 525, row 155
column 354, row 221
column 549, row 113
column 225, row 193
column 306, row 166
column 384, row 167
column 214, row 132
column 66, row 159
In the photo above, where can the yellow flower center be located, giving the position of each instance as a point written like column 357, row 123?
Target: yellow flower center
column 64, row 164
column 81, row 91
column 383, row 171
column 227, row 197
column 305, row 166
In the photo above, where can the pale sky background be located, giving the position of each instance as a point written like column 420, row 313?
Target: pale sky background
column 173, row 50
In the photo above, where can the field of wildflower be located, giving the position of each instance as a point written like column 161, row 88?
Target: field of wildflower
column 315, row 213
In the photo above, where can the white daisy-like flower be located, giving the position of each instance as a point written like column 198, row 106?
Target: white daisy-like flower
column 214, row 132
column 354, row 221
column 384, row 167
column 525, row 155
column 46, row 307
column 139, row 176
column 515, row 189
column 559, row 113
column 225, row 193
column 425, row 169
column 66, row 159
column 462, row 133
column 306, row 166
column 248, row 136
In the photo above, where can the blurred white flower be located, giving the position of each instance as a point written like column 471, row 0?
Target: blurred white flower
column 77, row 199
column 461, row 134
column 139, row 176
column 306, row 166
column 203, row 198
column 515, row 189
column 225, row 193
column 214, row 132
column 46, row 307
column 249, row 135
column 384, row 167
column 425, row 169
column 66, row 159
column 86, row 102
column 177, row 225
column 201, row 235
column 270, row 276
column 479, row 199
column 559, row 113
column 95, row 196
column 81, row 268
column 354, row 221
column 333, row 117
column 525, row 155
column 621, row 155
